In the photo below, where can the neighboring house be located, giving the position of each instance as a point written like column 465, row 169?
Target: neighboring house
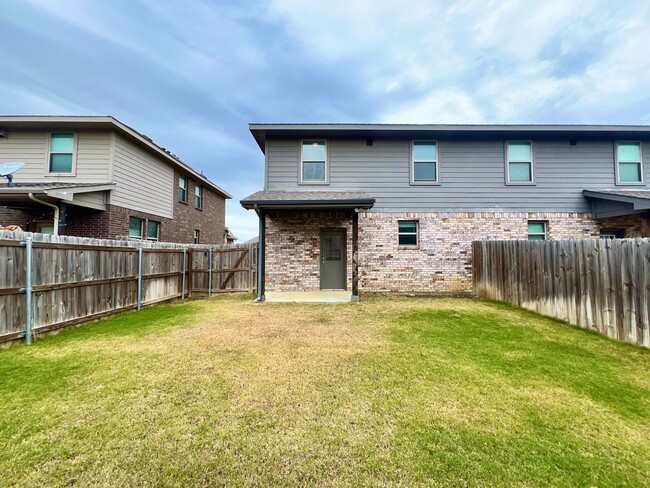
column 412, row 198
column 97, row 177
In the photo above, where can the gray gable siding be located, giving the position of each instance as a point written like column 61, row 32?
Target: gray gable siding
column 472, row 174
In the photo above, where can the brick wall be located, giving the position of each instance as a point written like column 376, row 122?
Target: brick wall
column 440, row 263
column 637, row 225
column 210, row 220
column 23, row 217
column 293, row 248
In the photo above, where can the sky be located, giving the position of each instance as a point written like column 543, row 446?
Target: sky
column 193, row 74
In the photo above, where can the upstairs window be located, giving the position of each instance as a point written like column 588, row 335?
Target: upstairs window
column 519, row 162
column 135, row 227
column 61, row 152
column 536, row 230
column 314, row 162
column 198, row 196
column 153, row 230
column 197, row 236
column 628, row 160
column 182, row 189
column 407, row 232
column 424, row 159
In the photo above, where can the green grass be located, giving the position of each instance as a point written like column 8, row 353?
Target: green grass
column 390, row 391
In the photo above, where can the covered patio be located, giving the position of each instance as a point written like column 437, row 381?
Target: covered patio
column 309, row 244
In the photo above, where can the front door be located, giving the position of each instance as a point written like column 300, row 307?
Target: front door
column 332, row 259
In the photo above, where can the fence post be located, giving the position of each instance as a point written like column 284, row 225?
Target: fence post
column 139, row 305
column 210, row 271
column 29, row 254
column 183, row 275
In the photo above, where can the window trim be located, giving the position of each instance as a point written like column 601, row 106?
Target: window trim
column 325, row 182
column 416, row 233
column 199, row 196
column 617, row 167
column 415, row 182
column 142, row 221
column 157, row 238
column 186, row 179
column 73, row 169
column 528, row 233
column 532, row 181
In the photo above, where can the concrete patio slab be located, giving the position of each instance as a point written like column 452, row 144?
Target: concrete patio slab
column 322, row 296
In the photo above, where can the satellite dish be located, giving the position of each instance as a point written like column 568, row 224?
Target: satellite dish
column 7, row 170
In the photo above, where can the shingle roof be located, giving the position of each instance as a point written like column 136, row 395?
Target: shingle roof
column 644, row 194
column 52, row 186
column 308, row 198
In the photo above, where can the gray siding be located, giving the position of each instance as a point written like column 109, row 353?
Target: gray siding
column 472, row 174
column 92, row 157
column 143, row 182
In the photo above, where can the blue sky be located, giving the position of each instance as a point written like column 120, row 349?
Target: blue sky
column 192, row 74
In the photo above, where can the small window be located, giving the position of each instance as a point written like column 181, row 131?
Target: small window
column 61, row 152
column 425, row 162
column 198, row 196
column 153, row 230
column 628, row 158
column 135, row 227
column 612, row 233
column 197, row 236
column 182, row 189
column 520, row 162
column 408, row 233
column 314, row 162
column 536, row 230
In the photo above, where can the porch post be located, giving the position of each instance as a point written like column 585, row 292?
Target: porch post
column 63, row 218
column 260, row 256
column 355, row 255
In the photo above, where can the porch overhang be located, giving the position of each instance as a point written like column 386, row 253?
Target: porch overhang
column 307, row 200
column 55, row 193
column 618, row 202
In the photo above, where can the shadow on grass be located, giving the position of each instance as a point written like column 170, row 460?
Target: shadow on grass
column 526, row 351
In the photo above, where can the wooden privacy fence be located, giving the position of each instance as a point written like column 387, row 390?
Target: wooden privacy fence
column 49, row 282
column 599, row 284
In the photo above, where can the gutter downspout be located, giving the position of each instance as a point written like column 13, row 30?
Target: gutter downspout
column 260, row 256
column 56, row 212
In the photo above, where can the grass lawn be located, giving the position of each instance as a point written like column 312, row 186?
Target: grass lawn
column 390, row 391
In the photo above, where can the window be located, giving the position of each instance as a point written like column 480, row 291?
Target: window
column 628, row 160
column 314, row 162
column 153, row 230
column 408, row 233
column 536, row 230
column 61, row 152
column 182, row 189
column 612, row 233
column 520, row 162
column 424, row 161
column 197, row 236
column 198, row 196
column 135, row 227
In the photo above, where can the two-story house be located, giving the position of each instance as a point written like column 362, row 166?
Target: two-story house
column 365, row 207
column 97, row 177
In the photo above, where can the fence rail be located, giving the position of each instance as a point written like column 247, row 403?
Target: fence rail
column 599, row 284
column 51, row 282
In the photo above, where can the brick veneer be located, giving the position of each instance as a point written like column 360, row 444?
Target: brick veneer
column 440, row 263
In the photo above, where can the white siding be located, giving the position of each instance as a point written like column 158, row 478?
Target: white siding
column 93, row 199
column 143, row 182
column 92, row 157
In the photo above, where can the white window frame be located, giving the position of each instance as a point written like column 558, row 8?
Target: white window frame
column 301, row 181
column 416, row 234
column 186, row 187
column 545, row 233
column 142, row 224
column 157, row 230
column 532, row 164
column 73, row 169
column 618, row 172
column 199, row 195
column 435, row 182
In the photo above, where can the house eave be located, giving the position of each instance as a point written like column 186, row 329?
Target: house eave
column 364, row 204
